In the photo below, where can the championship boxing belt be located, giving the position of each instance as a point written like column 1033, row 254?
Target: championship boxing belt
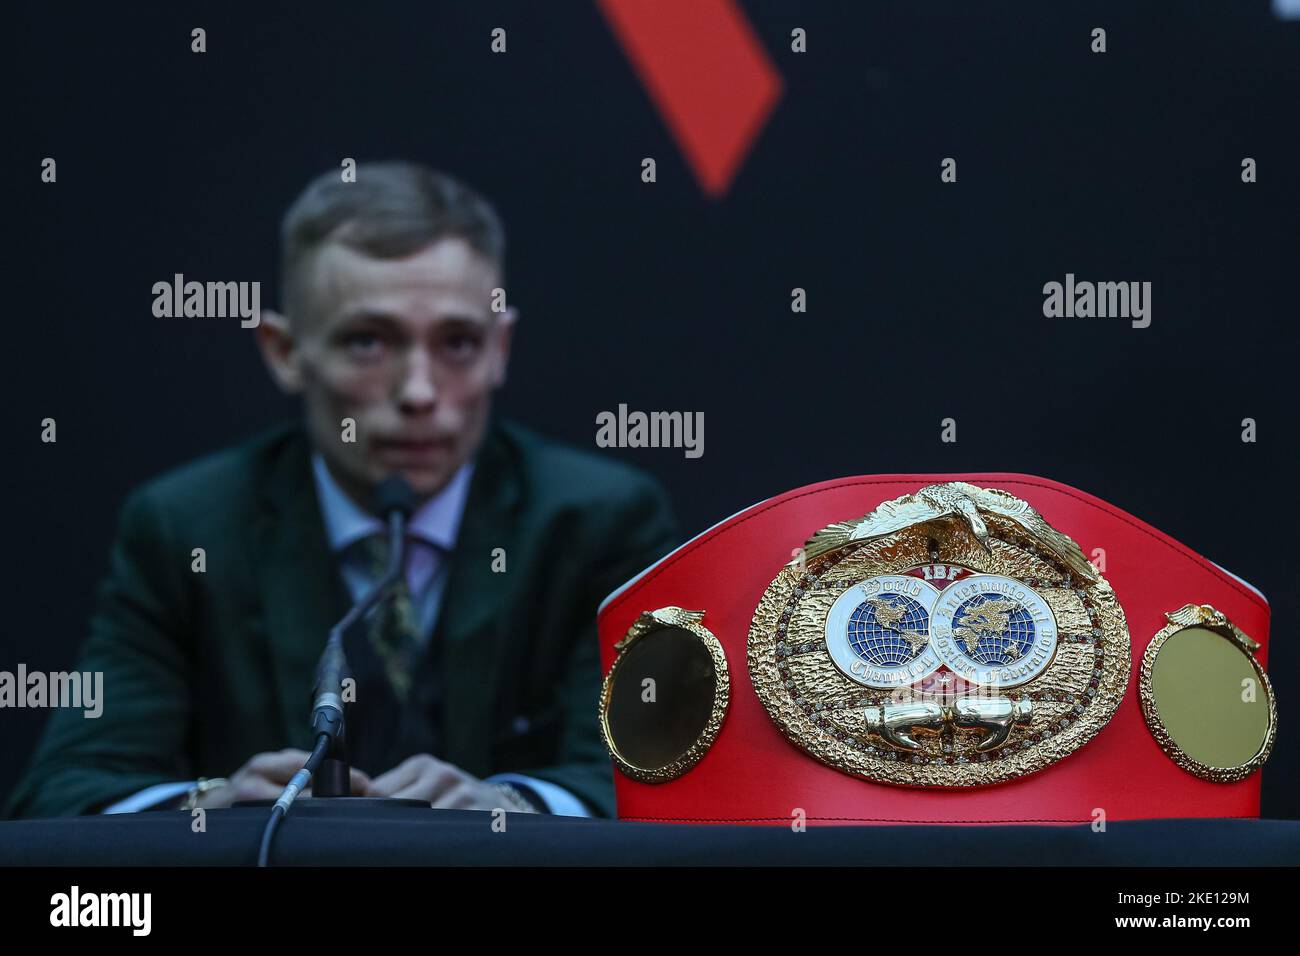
column 951, row 657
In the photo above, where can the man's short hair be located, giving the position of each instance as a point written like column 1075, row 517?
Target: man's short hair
column 394, row 209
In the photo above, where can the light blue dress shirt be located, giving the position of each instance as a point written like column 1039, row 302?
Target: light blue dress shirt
column 432, row 536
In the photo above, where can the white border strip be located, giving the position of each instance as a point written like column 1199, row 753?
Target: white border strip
column 1241, row 581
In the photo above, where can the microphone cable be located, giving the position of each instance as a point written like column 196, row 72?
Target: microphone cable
column 297, row 783
column 395, row 501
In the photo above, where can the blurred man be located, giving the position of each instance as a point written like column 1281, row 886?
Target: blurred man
column 477, row 684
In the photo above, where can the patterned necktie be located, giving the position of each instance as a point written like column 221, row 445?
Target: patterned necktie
column 394, row 630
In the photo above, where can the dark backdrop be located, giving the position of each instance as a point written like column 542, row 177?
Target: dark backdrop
column 924, row 299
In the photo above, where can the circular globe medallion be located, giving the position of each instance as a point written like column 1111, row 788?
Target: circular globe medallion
column 878, row 631
column 993, row 630
column 1027, row 658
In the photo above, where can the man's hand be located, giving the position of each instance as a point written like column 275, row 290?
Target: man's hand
column 264, row 776
column 446, row 786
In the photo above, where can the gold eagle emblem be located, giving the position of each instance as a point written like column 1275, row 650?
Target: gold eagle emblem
column 955, row 499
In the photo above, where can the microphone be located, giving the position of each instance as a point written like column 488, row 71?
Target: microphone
column 394, row 494
column 394, row 503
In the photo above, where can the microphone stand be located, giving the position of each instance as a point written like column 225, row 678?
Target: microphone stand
column 328, row 762
column 328, row 718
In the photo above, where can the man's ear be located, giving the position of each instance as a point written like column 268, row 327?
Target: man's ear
column 276, row 343
column 505, row 330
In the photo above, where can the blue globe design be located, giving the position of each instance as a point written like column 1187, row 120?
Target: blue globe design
column 991, row 633
column 884, row 646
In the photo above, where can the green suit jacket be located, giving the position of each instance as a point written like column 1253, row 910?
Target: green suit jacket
column 203, row 670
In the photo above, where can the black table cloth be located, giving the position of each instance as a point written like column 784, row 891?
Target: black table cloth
column 401, row 836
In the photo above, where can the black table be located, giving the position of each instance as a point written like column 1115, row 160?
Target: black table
column 354, row 836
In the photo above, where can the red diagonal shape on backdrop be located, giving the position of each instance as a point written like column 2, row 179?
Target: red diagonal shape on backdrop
column 707, row 73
